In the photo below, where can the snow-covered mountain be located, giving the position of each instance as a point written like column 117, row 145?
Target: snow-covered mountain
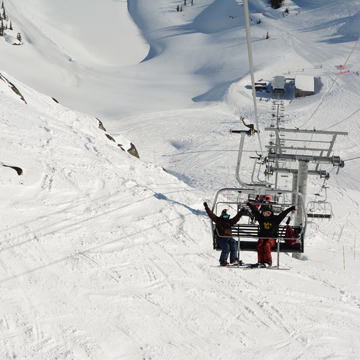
column 107, row 256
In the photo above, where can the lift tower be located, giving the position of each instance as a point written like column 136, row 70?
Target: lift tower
column 308, row 148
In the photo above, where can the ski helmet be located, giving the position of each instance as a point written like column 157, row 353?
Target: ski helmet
column 266, row 211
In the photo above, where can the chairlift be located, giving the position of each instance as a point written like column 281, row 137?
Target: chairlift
column 246, row 231
column 320, row 209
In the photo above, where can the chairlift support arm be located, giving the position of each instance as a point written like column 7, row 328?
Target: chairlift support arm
column 335, row 160
column 321, row 173
column 237, row 171
column 278, row 154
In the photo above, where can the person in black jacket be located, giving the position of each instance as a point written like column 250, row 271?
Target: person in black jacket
column 268, row 232
column 227, row 244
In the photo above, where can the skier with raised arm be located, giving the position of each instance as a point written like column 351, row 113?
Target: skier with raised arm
column 227, row 243
column 268, row 231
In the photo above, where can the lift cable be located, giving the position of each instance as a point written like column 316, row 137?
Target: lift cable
column 343, row 119
column 355, row 158
column 248, row 38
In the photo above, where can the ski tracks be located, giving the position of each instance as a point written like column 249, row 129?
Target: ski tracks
column 289, row 319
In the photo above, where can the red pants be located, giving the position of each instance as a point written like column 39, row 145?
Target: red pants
column 264, row 250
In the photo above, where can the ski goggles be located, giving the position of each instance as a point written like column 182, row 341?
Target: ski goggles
column 225, row 216
column 266, row 213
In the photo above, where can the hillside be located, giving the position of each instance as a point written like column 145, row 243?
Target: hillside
column 106, row 256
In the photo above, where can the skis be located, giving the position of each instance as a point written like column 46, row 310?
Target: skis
column 259, row 266
column 231, row 266
column 250, row 267
column 256, row 266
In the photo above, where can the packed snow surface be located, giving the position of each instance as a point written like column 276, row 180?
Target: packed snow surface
column 107, row 256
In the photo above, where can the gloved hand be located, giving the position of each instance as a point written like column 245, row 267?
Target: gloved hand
column 206, row 205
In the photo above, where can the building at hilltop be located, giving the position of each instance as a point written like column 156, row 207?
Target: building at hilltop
column 304, row 85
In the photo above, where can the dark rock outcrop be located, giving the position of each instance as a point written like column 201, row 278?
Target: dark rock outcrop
column 13, row 88
column 16, row 168
column 132, row 151
column 110, row 137
column 101, row 126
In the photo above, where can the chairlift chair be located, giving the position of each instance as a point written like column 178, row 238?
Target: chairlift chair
column 320, row 209
column 246, row 232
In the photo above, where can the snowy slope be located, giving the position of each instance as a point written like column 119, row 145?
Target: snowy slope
column 81, row 226
column 105, row 256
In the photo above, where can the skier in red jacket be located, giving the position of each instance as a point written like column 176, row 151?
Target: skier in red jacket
column 269, row 226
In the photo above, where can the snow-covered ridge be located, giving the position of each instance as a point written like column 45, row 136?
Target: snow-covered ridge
column 30, row 117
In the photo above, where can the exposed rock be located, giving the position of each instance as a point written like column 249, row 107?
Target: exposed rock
column 55, row 100
column 120, row 146
column 132, row 151
column 110, row 137
column 17, row 169
column 101, row 126
column 13, row 88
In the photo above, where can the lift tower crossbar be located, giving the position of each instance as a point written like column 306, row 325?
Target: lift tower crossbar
column 310, row 148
